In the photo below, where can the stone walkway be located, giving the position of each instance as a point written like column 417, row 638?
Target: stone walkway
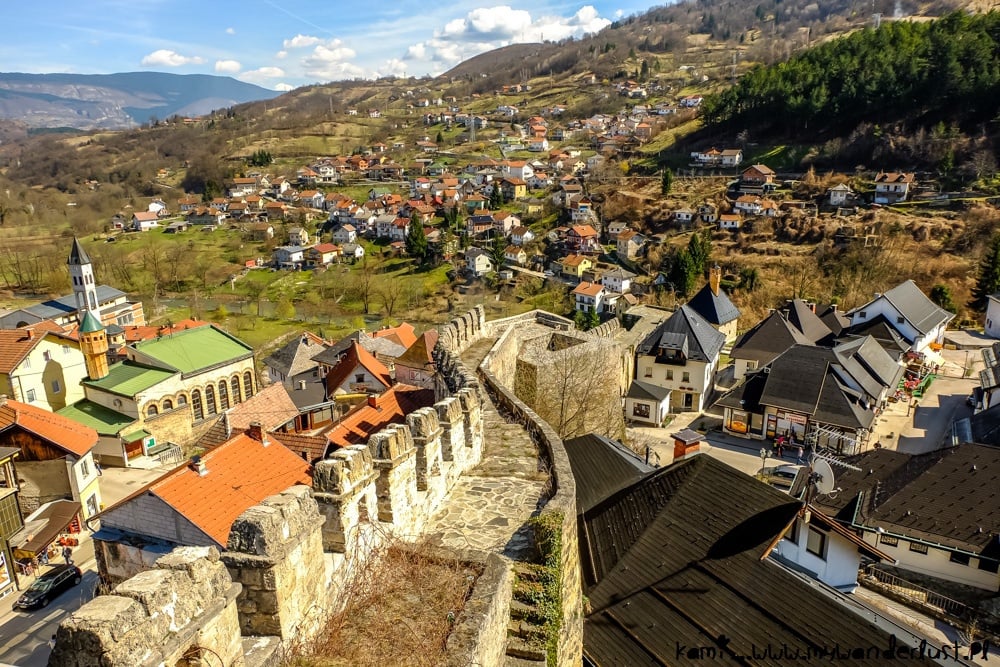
column 488, row 507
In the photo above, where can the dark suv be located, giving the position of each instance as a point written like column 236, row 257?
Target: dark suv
column 48, row 586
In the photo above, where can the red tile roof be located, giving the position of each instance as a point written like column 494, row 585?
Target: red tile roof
column 404, row 334
column 589, row 289
column 313, row 446
column 419, row 355
column 15, row 344
column 366, row 419
column 271, row 406
column 241, row 472
column 353, row 357
column 62, row 432
column 134, row 333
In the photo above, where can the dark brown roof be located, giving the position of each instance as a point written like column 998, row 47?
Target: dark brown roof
column 310, row 447
column 947, row 497
column 677, row 559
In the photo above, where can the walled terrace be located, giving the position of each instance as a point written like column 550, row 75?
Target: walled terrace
column 478, row 475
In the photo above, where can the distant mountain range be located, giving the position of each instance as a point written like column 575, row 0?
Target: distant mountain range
column 117, row 101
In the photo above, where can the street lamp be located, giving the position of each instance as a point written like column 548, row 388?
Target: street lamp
column 763, row 461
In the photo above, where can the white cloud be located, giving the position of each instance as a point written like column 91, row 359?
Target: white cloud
column 168, row 58
column 281, row 54
column 230, row 31
column 392, row 67
column 262, row 74
column 284, row 87
column 227, row 66
column 487, row 28
column 301, row 41
column 330, row 61
column 619, row 13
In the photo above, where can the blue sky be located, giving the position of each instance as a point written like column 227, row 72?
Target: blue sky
column 281, row 44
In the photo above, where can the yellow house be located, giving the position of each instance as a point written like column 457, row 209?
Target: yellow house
column 41, row 368
column 575, row 265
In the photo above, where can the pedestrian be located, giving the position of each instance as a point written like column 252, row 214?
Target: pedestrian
column 67, row 553
column 798, row 453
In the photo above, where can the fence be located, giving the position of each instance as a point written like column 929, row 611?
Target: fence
column 921, row 596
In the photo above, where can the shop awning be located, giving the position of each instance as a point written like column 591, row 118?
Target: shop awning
column 138, row 435
column 43, row 526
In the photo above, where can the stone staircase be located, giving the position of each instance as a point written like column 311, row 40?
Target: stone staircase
column 526, row 628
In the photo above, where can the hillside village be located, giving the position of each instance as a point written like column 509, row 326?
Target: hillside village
column 591, row 436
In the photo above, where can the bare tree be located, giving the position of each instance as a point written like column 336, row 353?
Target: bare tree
column 578, row 392
column 365, row 280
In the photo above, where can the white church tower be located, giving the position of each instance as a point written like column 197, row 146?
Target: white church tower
column 81, row 272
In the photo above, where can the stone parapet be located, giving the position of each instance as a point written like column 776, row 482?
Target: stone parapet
column 184, row 608
column 479, row 636
column 275, row 550
column 344, row 490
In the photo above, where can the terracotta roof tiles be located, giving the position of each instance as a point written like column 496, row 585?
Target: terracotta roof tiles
column 62, row 432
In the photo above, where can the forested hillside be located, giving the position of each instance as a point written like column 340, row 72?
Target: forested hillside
column 904, row 71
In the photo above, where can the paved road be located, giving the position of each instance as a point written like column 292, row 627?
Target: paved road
column 24, row 635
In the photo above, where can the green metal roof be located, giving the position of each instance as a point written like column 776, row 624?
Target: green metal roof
column 90, row 323
column 128, row 378
column 194, row 349
column 103, row 420
column 141, row 434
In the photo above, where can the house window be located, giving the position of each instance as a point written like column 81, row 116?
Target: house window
column 30, row 395
column 65, row 349
column 56, row 388
column 816, row 542
column 210, row 400
column 152, row 411
column 168, row 405
column 670, row 375
column 752, row 364
column 792, row 534
column 199, row 410
column 961, row 559
column 640, row 410
column 92, row 505
column 863, row 314
column 900, row 319
column 247, row 385
column 685, row 376
column 359, row 377
column 84, row 469
column 182, row 400
column 648, row 372
column 223, row 395
column 916, row 547
column 27, row 363
column 888, row 540
column 235, row 385
column 989, row 565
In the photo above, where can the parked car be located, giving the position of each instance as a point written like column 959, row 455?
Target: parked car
column 48, row 586
column 780, row 476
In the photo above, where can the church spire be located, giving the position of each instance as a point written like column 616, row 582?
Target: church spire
column 78, row 255
column 82, row 274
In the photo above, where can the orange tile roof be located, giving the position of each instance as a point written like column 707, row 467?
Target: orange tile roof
column 241, row 472
column 313, row 446
column 589, row 289
column 136, row 333
column 419, row 355
column 574, row 260
column 62, row 432
column 15, row 344
column 404, row 334
column 353, row 357
column 390, row 407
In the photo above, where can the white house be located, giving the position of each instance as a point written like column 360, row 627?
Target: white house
column 908, row 311
column 521, row 235
column 345, row 234
column 684, row 216
column 647, row 403
column 478, row 262
column 730, row 222
column 288, row 256
column 993, row 316
column 353, row 251
column 588, row 297
column 618, row 280
column 143, row 221
column 892, row 187
column 681, row 355
column 839, row 194
column 515, row 255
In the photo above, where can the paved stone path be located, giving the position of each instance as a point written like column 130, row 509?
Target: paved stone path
column 489, row 506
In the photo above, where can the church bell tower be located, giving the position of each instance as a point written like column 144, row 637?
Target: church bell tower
column 81, row 272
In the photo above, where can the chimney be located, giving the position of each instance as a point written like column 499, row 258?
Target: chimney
column 714, row 278
column 372, row 401
column 256, row 431
column 30, row 333
column 3, row 400
column 198, row 466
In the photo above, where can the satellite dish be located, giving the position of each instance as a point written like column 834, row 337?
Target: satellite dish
column 822, row 476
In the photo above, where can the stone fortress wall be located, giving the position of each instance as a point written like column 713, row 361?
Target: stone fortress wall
column 289, row 558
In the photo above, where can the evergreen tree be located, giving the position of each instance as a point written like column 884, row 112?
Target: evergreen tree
column 496, row 199
column 684, row 273
column 941, row 295
column 988, row 281
column 497, row 251
column 416, row 241
column 668, row 181
column 593, row 319
column 700, row 251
